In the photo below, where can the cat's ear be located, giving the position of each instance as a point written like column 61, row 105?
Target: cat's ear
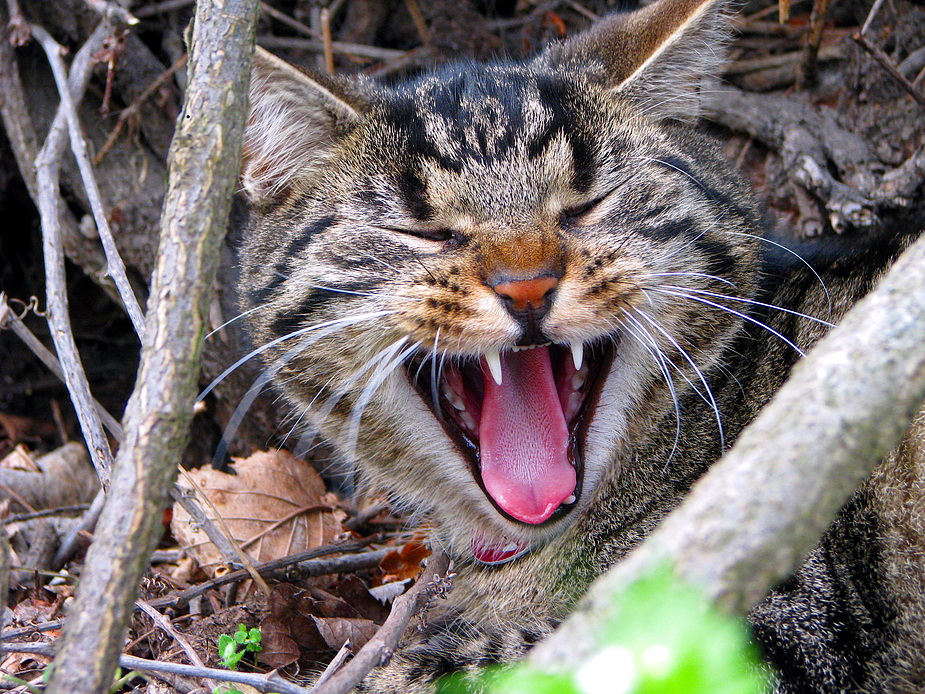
column 295, row 123
column 658, row 56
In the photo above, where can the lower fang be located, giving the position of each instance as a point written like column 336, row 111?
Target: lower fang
column 569, row 500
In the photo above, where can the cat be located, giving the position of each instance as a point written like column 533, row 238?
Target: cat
column 530, row 302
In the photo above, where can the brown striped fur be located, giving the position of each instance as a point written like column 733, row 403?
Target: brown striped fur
column 400, row 233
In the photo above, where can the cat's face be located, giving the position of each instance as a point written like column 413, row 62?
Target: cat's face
column 479, row 286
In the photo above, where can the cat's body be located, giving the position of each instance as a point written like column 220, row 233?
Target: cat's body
column 404, row 241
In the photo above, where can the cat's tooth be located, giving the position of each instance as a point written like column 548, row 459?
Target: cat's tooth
column 468, row 421
column 493, row 359
column 453, row 398
column 569, row 500
column 578, row 353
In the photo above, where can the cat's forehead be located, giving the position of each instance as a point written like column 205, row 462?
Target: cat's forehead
column 478, row 133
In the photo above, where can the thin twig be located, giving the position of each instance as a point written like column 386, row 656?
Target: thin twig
column 114, row 265
column 878, row 54
column 326, row 40
column 160, row 7
column 220, row 534
column 133, row 108
column 71, row 541
column 418, row 18
column 808, row 69
column 8, row 318
column 349, row 563
column 307, row 563
column 113, row 11
column 337, row 662
column 870, row 16
column 339, row 47
column 18, row 24
column 270, row 682
column 164, row 625
column 378, row 650
column 284, row 18
column 47, row 166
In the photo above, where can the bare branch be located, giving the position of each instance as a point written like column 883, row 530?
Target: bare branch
column 115, row 267
column 204, row 159
column 379, row 649
column 47, row 166
column 270, row 682
column 753, row 518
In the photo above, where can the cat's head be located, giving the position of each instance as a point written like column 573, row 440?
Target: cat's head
column 478, row 286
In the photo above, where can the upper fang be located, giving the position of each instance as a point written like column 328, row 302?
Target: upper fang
column 578, row 353
column 493, row 359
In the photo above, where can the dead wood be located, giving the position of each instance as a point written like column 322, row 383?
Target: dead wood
column 204, row 158
column 744, row 527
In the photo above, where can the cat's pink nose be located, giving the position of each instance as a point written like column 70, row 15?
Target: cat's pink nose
column 524, row 294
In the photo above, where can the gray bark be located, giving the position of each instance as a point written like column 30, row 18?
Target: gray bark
column 203, row 166
column 754, row 517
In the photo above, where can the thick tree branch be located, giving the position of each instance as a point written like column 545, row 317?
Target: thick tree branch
column 755, row 516
column 203, row 172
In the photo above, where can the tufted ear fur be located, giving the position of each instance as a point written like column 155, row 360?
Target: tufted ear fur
column 658, row 56
column 295, row 123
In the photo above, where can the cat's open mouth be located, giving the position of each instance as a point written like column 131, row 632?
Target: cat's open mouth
column 520, row 418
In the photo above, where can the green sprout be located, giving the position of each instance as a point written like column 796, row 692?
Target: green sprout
column 232, row 648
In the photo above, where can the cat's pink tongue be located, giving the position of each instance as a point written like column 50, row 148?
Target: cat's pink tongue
column 524, row 438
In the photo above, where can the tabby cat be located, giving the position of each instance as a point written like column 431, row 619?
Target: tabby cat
column 533, row 305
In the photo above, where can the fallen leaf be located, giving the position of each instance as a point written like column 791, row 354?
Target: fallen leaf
column 274, row 505
column 404, row 563
column 355, row 593
column 336, row 631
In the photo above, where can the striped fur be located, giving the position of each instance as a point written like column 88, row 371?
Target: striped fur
column 387, row 225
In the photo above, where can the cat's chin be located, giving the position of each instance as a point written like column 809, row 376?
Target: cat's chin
column 519, row 418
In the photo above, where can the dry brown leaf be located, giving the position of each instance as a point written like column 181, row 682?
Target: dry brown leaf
column 336, row 631
column 273, row 506
column 404, row 563
column 19, row 459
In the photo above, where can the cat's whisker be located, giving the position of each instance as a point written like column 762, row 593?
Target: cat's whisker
column 717, row 295
column 744, row 316
column 708, row 392
column 345, row 387
column 391, row 358
column 375, row 295
column 232, row 320
column 381, row 261
column 434, row 373
column 270, row 372
column 650, row 344
column 337, row 323
column 702, row 275
column 693, row 386
column 795, row 255
column 305, row 410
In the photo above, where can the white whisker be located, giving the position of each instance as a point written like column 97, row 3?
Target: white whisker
column 232, row 320
column 717, row 295
column 732, row 311
column 391, row 358
column 338, row 322
column 708, row 393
